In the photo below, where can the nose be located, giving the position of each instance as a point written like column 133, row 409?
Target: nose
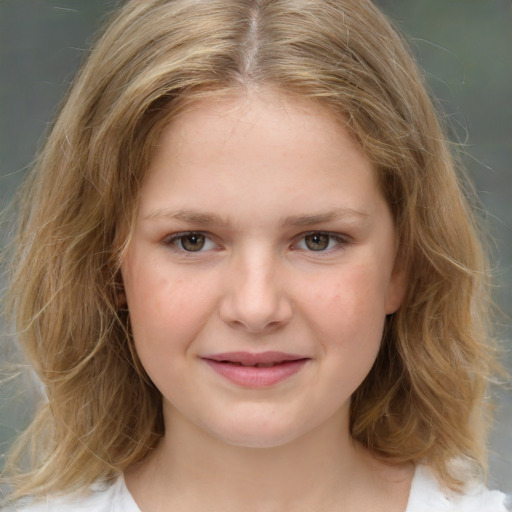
column 255, row 298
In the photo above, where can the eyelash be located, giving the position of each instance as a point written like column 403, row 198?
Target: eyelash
column 172, row 240
column 340, row 242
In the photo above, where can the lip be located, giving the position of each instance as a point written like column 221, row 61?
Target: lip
column 256, row 370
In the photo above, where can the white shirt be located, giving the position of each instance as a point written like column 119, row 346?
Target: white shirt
column 426, row 496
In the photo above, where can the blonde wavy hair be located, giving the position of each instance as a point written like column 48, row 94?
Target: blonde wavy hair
column 423, row 399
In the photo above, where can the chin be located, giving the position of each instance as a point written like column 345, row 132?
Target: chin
column 257, row 436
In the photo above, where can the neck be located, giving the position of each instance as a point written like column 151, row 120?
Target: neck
column 191, row 470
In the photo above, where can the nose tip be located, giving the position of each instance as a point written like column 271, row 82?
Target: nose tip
column 256, row 302
column 257, row 324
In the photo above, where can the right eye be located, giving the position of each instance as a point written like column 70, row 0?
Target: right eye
column 190, row 242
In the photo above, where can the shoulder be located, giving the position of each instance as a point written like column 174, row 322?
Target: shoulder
column 427, row 495
column 99, row 498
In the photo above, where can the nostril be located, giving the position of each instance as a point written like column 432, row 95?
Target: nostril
column 264, row 327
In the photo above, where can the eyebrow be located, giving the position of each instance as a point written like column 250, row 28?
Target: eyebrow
column 214, row 220
column 319, row 218
column 191, row 216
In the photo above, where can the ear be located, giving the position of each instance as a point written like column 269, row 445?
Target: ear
column 396, row 289
column 120, row 295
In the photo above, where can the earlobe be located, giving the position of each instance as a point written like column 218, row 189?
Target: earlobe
column 396, row 290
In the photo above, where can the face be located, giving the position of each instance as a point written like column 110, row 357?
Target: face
column 261, row 269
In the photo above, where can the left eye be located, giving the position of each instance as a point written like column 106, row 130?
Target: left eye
column 319, row 242
column 190, row 242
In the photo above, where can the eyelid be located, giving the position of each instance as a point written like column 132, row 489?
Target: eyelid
column 341, row 239
column 171, row 239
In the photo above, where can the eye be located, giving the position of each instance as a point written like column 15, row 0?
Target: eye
column 190, row 242
column 319, row 242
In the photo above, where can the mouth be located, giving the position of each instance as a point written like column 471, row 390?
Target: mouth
column 256, row 370
column 256, row 365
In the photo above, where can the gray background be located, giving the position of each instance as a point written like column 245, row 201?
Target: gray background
column 465, row 47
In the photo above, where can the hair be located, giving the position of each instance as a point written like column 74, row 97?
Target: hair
column 423, row 399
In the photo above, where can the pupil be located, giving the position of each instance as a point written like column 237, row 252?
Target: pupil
column 317, row 242
column 192, row 243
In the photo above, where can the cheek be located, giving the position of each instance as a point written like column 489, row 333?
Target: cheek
column 348, row 306
column 166, row 310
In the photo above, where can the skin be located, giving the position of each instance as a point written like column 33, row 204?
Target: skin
column 257, row 177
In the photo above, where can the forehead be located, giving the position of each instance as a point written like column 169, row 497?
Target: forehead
column 251, row 108
column 256, row 123
column 245, row 155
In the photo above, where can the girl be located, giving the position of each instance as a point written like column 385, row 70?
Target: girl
column 247, row 274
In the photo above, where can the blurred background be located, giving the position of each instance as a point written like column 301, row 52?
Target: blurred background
column 464, row 47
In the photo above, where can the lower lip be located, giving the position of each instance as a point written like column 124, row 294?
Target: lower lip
column 257, row 377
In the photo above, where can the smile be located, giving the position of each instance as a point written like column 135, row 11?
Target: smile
column 253, row 370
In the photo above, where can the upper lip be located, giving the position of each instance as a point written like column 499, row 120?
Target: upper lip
column 253, row 358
